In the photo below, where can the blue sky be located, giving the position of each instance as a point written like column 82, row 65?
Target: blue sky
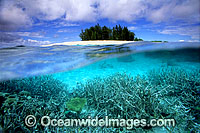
column 51, row 21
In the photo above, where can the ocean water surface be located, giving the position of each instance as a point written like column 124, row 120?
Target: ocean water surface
column 142, row 80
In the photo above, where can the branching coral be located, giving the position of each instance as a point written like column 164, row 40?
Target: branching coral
column 121, row 96
column 184, row 86
column 13, row 112
column 38, row 96
column 44, row 87
column 165, row 93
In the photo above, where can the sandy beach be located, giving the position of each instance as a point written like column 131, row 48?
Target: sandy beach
column 89, row 43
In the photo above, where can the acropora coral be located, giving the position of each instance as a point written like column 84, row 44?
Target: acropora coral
column 165, row 93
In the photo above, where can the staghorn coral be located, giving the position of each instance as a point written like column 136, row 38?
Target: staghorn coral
column 184, row 88
column 44, row 87
column 164, row 93
column 122, row 96
column 12, row 114
column 37, row 96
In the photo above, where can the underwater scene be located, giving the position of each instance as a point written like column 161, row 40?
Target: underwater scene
column 115, row 88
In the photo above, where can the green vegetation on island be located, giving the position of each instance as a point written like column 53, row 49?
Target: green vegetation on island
column 104, row 33
column 159, row 41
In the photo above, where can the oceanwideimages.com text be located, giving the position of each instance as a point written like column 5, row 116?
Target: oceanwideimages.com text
column 30, row 121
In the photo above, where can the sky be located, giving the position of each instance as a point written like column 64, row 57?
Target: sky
column 39, row 22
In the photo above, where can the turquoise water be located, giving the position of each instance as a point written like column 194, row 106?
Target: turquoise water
column 143, row 81
column 21, row 61
column 133, row 64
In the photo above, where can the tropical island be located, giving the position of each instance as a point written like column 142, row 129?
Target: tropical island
column 97, row 35
column 105, row 33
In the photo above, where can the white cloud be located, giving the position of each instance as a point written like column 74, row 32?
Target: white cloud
column 159, row 15
column 81, row 10
column 44, row 9
column 192, row 31
column 72, row 10
column 21, row 13
column 193, row 40
column 9, row 39
column 132, row 28
column 173, row 10
column 15, row 14
column 58, row 23
column 36, row 42
column 126, row 10
column 155, row 11
column 13, row 17
column 31, row 34
column 66, row 30
column 27, row 34
column 6, row 37
column 66, row 24
column 189, row 41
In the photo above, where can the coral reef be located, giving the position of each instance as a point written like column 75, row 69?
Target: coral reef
column 183, row 87
column 13, row 112
column 36, row 96
column 43, row 87
column 165, row 93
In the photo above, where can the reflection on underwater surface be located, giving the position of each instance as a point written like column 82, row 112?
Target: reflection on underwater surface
column 144, row 85
column 109, row 50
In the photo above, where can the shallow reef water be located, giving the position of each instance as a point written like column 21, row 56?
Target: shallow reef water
column 147, row 81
